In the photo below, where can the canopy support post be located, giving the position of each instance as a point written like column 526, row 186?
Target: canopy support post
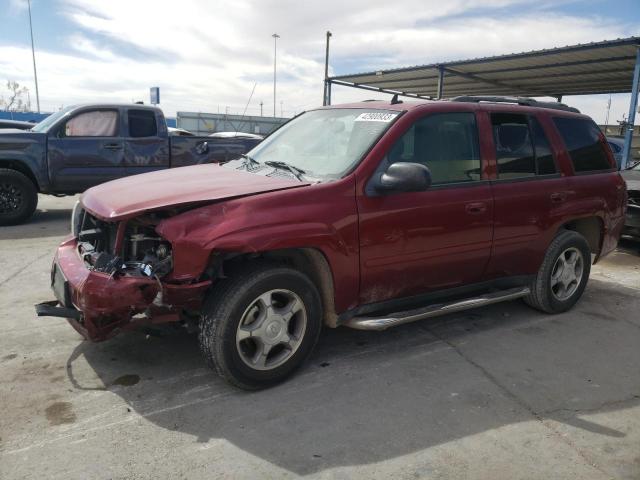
column 633, row 104
column 440, row 81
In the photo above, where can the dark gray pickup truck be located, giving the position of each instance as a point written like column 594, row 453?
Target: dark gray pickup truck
column 82, row 146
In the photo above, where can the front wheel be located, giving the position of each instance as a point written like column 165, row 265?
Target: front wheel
column 261, row 325
column 563, row 275
column 18, row 197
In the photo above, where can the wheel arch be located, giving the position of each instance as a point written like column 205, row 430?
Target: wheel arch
column 19, row 166
column 311, row 261
column 591, row 228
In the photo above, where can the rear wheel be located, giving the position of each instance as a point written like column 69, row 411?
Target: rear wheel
column 18, row 197
column 261, row 325
column 563, row 275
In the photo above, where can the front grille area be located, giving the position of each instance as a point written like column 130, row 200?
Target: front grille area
column 94, row 235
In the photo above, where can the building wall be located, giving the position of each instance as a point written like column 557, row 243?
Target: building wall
column 207, row 123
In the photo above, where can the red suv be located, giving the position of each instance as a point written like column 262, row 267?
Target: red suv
column 366, row 215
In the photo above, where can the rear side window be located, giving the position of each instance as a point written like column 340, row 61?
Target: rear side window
column 447, row 143
column 142, row 123
column 582, row 139
column 514, row 149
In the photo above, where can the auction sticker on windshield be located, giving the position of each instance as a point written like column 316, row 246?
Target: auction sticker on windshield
column 376, row 117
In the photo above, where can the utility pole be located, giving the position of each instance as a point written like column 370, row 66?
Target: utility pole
column 33, row 54
column 261, row 103
column 275, row 45
column 281, row 111
column 325, row 97
column 606, row 121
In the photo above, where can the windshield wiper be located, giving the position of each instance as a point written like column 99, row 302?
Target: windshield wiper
column 297, row 172
column 251, row 159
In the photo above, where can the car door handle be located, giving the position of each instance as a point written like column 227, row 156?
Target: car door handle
column 112, row 146
column 558, row 197
column 475, row 208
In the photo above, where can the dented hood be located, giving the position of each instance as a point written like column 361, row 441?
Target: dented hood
column 199, row 184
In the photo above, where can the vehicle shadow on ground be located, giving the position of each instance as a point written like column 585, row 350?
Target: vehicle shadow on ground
column 366, row 397
column 44, row 223
column 629, row 245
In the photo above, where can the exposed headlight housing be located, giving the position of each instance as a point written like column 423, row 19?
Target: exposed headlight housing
column 77, row 218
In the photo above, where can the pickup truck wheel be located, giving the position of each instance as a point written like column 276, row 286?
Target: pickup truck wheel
column 18, row 197
column 261, row 325
column 563, row 276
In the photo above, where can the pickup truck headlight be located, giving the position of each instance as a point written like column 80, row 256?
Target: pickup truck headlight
column 77, row 217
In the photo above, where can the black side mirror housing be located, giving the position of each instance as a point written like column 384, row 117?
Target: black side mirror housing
column 404, row 177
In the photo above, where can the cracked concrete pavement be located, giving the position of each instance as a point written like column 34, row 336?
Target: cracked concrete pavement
column 496, row 392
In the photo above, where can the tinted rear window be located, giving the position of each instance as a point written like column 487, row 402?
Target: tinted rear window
column 514, row 150
column 142, row 123
column 582, row 139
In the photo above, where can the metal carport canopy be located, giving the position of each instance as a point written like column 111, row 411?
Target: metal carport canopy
column 599, row 67
column 611, row 66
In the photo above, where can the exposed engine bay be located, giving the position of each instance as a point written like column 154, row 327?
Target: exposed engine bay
column 141, row 252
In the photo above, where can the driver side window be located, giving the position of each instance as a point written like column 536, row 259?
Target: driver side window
column 447, row 143
column 96, row 123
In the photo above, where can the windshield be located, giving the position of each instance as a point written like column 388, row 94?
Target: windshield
column 44, row 125
column 325, row 143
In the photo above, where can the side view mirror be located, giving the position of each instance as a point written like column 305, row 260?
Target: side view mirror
column 405, row 177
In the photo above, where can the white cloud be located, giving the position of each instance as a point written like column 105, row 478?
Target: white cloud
column 207, row 55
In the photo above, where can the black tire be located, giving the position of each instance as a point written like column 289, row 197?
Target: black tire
column 18, row 197
column 542, row 297
column 225, row 308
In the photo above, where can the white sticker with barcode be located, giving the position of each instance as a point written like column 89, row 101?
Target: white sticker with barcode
column 376, row 117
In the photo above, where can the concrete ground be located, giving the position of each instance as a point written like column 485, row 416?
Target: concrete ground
column 492, row 393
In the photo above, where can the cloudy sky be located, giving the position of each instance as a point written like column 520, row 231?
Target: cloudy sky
column 207, row 55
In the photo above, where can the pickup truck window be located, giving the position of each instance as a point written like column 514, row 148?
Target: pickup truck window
column 142, row 123
column 44, row 125
column 514, row 149
column 582, row 139
column 325, row 143
column 96, row 123
column 447, row 143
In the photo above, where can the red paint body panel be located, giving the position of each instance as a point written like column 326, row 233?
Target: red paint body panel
column 321, row 216
column 423, row 241
column 171, row 188
column 106, row 302
column 377, row 247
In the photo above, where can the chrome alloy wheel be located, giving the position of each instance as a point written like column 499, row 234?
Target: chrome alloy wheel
column 567, row 273
column 271, row 329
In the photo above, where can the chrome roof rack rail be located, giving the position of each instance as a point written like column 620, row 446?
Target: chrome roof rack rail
column 529, row 102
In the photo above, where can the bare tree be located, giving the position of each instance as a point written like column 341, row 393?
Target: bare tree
column 18, row 98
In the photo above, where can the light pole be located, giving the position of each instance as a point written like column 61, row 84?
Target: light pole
column 327, row 92
column 275, row 43
column 33, row 54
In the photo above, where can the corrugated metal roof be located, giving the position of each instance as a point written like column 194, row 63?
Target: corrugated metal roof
column 599, row 67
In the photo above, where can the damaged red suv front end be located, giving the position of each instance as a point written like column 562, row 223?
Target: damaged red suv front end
column 116, row 271
column 116, row 275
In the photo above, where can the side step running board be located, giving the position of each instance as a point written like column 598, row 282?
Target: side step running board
column 399, row 318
